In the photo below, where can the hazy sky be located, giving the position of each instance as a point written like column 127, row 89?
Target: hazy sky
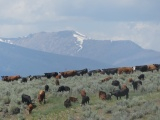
column 136, row 20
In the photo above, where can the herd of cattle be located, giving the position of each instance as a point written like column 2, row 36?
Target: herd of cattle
column 122, row 91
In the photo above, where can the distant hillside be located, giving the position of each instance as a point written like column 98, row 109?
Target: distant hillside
column 72, row 43
column 24, row 61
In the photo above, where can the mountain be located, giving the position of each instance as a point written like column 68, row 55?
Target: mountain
column 24, row 61
column 72, row 43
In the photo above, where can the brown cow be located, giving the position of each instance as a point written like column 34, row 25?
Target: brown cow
column 83, row 93
column 41, row 96
column 130, row 80
column 58, row 77
column 102, row 95
column 70, row 73
column 125, row 70
column 10, row 78
column 106, row 79
column 152, row 68
column 30, row 108
column 73, row 99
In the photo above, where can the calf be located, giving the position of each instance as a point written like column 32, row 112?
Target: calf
column 120, row 93
column 85, row 100
column 67, row 103
column 73, row 99
column 46, row 88
column 41, row 96
column 135, row 84
column 57, row 82
column 63, row 88
column 141, row 77
column 115, row 83
column 102, row 95
column 83, row 93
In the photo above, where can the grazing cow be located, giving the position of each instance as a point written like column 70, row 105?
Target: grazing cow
column 10, row 78
column 135, row 84
column 141, row 77
column 91, row 72
column 120, row 93
column 41, row 96
column 63, row 88
column 102, row 95
column 152, row 67
column 85, row 100
column 51, row 74
column 57, row 82
column 27, row 99
column 68, row 73
column 24, row 79
column 106, row 79
column 83, row 93
column 67, row 103
column 46, row 88
column 73, row 99
column 81, row 72
column 110, row 71
column 115, row 83
column 126, row 70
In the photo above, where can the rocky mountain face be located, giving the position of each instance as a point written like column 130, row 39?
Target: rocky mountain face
column 71, row 43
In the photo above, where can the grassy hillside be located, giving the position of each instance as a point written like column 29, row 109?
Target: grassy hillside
column 143, row 104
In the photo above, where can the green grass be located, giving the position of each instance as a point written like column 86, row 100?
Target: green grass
column 143, row 104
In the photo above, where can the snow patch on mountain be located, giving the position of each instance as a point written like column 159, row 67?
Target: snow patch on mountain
column 6, row 41
column 80, row 37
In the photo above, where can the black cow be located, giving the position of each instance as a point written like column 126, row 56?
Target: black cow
column 24, row 79
column 63, row 88
column 52, row 74
column 115, row 83
column 26, row 99
column 135, row 84
column 81, row 72
column 91, row 72
column 110, row 71
column 120, row 93
column 143, row 68
column 46, row 88
column 67, row 103
column 85, row 100
column 141, row 77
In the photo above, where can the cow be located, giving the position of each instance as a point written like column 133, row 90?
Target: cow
column 115, row 83
column 63, row 88
column 81, row 72
column 126, row 70
column 85, row 100
column 41, row 96
column 152, row 67
column 120, row 93
column 106, row 79
column 27, row 99
column 70, row 73
column 142, row 68
column 157, row 66
column 67, row 103
column 46, row 87
column 51, row 74
column 91, row 72
column 102, row 95
column 141, row 77
column 83, row 93
column 10, row 78
column 73, row 99
column 110, row 71
column 135, row 84
column 58, row 77
column 24, row 79
column 57, row 82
